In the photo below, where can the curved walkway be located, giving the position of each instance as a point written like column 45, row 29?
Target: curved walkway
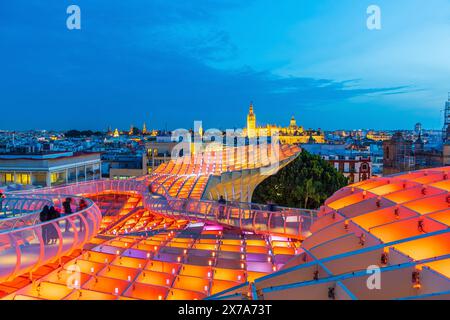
column 26, row 243
column 23, row 248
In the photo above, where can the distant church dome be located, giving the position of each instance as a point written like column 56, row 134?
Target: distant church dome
column 293, row 122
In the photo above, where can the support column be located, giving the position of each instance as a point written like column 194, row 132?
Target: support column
column 48, row 181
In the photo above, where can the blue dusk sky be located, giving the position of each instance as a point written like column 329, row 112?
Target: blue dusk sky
column 170, row 62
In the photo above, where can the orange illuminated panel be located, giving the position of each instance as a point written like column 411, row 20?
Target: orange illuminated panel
column 387, row 188
column 256, row 242
column 441, row 266
column 345, row 192
column 283, row 250
column 90, row 295
column 404, row 229
column 106, row 285
column 159, row 237
column 146, row 292
column 161, row 266
column 127, row 239
column 185, row 240
column 97, row 240
column 383, row 216
column 47, row 290
column 358, row 184
column 191, row 283
column 410, row 175
column 281, row 244
column 208, row 241
column 429, row 178
column 231, row 248
column 129, row 262
column 427, row 247
column 211, row 232
column 99, row 257
column 442, row 216
column 445, row 185
column 185, row 189
column 64, row 277
column 230, row 275
column 221, row 285
column 346, row 201
column 127, row 274
column 371, row 184
column 210, row 247
column 85, row 266
column 254, row 249
column 199, row 186
column 146, row 247
column 411, row 194
column 196, row 271
column 235, row 242
column 429, row 204
column 153, row 241
column 178, row 245
column 365, row 206
column 120, row 244
column 156, row 278
column 252, row 275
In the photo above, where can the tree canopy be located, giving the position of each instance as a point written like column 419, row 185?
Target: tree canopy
column 304, row 183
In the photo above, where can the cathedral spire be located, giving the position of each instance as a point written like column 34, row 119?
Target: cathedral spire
column 251, row 108
column 144, row 129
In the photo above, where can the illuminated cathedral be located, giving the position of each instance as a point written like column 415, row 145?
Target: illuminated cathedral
column 292, row 134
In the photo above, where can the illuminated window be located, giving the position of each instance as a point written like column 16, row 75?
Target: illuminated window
column 23, row 178
column 9, row 177
column 58, row 177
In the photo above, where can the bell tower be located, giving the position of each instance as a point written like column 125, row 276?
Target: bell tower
column 251, row 122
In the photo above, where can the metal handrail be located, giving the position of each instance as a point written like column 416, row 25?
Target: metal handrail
column 89, row 203
column 304, row 218
column 25, row 248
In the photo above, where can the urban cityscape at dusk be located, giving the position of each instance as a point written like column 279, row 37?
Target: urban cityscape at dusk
column 225, row 151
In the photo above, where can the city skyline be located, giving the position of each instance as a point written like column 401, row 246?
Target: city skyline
column 173, row 63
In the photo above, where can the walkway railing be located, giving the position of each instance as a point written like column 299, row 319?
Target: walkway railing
column 93, row 187
column 257, row 218
column 25, row 247
column 21, row 211
column 293, row 224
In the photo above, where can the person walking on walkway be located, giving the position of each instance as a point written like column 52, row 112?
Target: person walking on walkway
column 222, row 204
column 67, row 210
column 44, row 217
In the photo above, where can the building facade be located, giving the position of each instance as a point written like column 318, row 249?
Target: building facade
column 49, row 169
column 158, row 152
column 124, row 166
column 292, row 134
column 354, row 168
